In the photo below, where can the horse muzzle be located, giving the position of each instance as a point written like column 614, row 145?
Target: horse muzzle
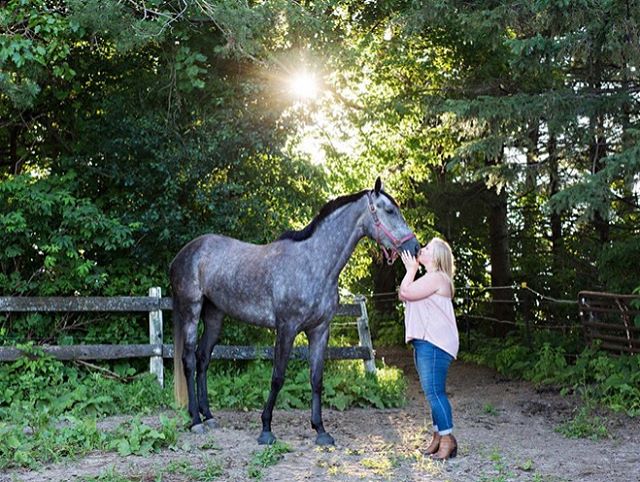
column 410, row 245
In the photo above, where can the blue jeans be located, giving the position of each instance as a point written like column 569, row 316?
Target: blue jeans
column 432, row 364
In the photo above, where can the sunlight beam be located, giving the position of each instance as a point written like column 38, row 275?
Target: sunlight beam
column 304, row 85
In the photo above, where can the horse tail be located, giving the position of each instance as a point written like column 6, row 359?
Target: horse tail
column 179, row 380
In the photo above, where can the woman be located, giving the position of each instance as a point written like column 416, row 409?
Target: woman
column 430, row 326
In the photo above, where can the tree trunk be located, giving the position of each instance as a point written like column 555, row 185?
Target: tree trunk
column 530, row 214
column 555, row 218
column 500, row 261
column 501, row 277
column 600, row 219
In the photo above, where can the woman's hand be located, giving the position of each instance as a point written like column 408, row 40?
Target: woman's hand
column 410, row 262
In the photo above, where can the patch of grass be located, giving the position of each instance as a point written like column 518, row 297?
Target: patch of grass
column 47, row 441
column 499, row 465
column 267, row 457
column 210, row 444
column 527, row 465
column 211, row 471
column 48, row 409
column 427, row 465
column 584, row 424
column 136, row 438
column 489, row 409
column 111, row 475
column 380, row 465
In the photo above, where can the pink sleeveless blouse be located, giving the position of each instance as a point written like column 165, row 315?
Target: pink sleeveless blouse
column 432, row 319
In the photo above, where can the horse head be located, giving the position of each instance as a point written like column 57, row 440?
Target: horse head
column 387, row 225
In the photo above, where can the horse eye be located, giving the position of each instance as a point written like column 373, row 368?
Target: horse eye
column 389, row 210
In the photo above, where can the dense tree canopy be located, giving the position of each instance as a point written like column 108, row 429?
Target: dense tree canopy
column 129, row 127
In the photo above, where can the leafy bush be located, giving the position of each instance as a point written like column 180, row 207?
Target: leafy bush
column 53, row 238
column 43, row 385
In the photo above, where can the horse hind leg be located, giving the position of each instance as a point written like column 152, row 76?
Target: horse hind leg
column 212, row 327
column 186, row 316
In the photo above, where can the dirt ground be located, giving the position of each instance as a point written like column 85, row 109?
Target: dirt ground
column 505, row 431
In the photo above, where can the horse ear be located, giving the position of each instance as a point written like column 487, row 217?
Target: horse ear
column 378, row 186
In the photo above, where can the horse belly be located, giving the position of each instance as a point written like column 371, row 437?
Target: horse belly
column 251, row 310
column 254, row 315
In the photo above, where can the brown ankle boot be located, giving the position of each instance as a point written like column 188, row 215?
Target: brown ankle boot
column 448, row 448
column 434, row 444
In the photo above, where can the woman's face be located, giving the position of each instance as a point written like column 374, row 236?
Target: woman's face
column 425, row 256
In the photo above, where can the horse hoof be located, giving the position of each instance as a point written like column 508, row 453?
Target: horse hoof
column 266, row 438
column 198, row 428
column 324, row 439
column 211, row 423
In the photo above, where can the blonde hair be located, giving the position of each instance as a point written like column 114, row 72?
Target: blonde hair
column 443, row 259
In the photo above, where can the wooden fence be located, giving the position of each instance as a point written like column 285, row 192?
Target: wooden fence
column 611, row 318
column 156, row 350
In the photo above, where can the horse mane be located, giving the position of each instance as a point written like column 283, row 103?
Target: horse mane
column 325, row 211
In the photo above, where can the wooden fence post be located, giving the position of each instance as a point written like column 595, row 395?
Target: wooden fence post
column 365, row 335
column 155, row 338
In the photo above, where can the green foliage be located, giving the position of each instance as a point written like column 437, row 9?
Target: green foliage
column 47, row 388
column 489, row 409
column 614, row 263
column 143, row 133
column 39, row 46
column 53, row 439
column 613, row 382
column 346, row 385
column 52, row 239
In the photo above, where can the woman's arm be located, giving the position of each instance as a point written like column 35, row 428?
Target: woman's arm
column 412, row 269
column 411, row 289
column 424, row 287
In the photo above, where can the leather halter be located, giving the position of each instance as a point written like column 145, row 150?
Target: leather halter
column 396, row 243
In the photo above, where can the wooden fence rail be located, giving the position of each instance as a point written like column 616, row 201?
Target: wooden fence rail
column 156, row 350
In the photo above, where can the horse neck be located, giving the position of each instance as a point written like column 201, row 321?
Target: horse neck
column 335, row 239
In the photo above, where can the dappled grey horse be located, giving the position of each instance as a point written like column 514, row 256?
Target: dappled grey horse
column 290, row 285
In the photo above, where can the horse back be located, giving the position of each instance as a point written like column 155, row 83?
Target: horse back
column 258, row 284
column 237, row 277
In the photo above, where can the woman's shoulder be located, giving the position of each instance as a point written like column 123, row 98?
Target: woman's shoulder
column 442, row 281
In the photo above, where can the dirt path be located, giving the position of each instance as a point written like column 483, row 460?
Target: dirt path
column 505, row 430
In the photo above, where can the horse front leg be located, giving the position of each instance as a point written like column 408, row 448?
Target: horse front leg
column 318, row 339
column 284, row 343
